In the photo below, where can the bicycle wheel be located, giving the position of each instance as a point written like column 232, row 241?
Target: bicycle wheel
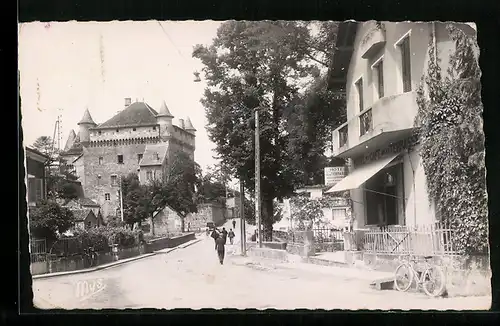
column 403, row 277
column 433, row 281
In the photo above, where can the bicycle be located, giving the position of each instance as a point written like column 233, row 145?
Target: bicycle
column 90, row 257
column 432, row 279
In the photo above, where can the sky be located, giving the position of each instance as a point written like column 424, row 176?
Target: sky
column 67, row 67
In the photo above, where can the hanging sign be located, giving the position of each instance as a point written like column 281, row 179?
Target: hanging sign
column 334, row 174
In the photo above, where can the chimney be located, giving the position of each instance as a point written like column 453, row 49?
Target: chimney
column 128, row 101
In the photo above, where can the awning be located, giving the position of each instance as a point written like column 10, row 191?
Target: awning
column 362, row 174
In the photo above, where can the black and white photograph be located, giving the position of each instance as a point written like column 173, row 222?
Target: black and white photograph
column 241, row 164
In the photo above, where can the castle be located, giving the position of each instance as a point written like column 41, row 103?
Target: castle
column 137, row 139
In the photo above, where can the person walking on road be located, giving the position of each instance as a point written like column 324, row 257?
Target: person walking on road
column 220, row 247
column 234, row 224
column 224, row 234
column 231, row 235
column 215, row 236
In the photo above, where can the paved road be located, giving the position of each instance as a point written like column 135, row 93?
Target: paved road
column 193, row 278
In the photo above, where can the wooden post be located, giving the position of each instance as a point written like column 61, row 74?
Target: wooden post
column 257, row 177
column 242, row 219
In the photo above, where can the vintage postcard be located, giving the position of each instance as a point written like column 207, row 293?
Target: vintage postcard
column 255, row 165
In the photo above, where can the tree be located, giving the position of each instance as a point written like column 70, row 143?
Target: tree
column 44, row 144
column 306, row 212
column 135, row 208
column 210, row 189
column 260, row 64
column 175, row 189
column 47, row 219
column 452, row 151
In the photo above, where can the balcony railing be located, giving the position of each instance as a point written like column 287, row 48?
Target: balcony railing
column 365, row 122
column 343, row 136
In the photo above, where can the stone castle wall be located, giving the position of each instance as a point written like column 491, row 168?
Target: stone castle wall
column 95, row 188
column 124, row 133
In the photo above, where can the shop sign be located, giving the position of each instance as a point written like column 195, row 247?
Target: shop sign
column 334, row 174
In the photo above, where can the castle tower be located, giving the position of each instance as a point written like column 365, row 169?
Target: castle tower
column 85, row 124
column 164, row 119
column 188, row 126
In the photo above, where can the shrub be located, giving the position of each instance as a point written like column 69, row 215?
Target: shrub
column 103, row 237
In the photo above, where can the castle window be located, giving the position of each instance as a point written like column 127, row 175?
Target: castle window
column 114, row 180
column 156, row 156
column 117, row 130
column 120, row 159
column 154, row 127
column 149, row 175
column 139, row 158
column 107, row 196
column 100, row 160
column 133, row 129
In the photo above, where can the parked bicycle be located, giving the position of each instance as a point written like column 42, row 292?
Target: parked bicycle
column 90, row 257
column 431, row 277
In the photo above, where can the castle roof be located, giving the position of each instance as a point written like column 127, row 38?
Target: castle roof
column 136, row 114
column 164, row 111
column 87, row 202
column 81, row 214
column 86, row 118
column 150, row 157
column 188, row 125
column 76, row 148
column 71, row 140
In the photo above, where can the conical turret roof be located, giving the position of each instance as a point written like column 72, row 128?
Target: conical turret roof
column 164, row 111
column 87, row 118
column 188, row 125
column 71, row 140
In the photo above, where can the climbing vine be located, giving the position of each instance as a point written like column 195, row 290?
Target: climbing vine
column 452, row 142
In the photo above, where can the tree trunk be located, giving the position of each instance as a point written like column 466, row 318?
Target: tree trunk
column 267, row 219
column 152, row 225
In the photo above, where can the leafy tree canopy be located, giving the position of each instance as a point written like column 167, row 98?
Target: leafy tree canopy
column 48, row 219
column 265, row 64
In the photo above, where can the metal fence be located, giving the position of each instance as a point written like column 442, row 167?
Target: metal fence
column 431, row 240
column 38, row 250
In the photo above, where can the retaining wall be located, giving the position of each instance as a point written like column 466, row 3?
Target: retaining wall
column 266, row 253
column 270, row 245
column 163, row 243
column 303, row 250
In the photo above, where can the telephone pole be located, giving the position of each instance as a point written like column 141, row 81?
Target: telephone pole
column 121, row 199
column 257, row 176
column 242, row 217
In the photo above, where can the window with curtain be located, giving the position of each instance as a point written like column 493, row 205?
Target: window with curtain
column 404, row 48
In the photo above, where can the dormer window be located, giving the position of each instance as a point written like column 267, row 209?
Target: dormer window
column 117, row 130
column 156, row 156
column 154, row 127
column 99, row 132
column 120, row 159
column 133, row 129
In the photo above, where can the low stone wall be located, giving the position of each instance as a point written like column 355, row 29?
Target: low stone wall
column 329, row 246
column 464, row 276
column 275, row 254
column 76, row 262
column 303, row 250
column 163, row 243
column 269, row 245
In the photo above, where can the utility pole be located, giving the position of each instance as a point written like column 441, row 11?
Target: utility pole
column 121, row 199
column 257, row 176
column 242, row 216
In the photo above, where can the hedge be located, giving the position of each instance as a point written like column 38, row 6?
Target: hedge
column 102, row 237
